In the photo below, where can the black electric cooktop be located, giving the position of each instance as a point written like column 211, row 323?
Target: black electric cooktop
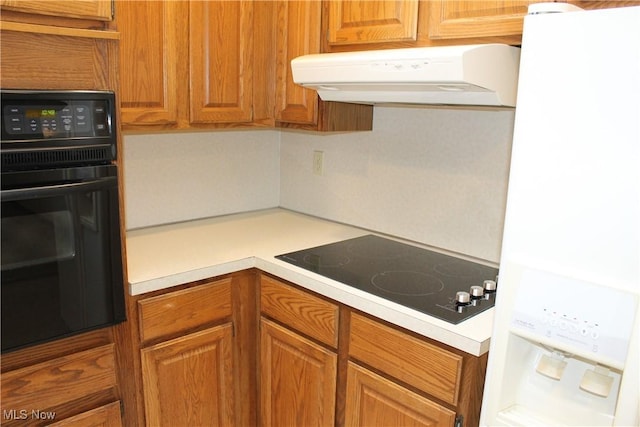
column 423, row 280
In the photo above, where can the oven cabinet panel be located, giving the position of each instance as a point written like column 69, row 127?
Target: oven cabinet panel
column 189, row 380
column 103, row 416
column 190, row 64
column 100, row 10
column 376, row 401
column 69, row 379
column 298, row 358
column 298, row 33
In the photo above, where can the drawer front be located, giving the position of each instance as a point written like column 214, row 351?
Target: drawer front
column 431, row 369
column 104, row 416
column 184, row 310
column 58, row 381
column 300, row 310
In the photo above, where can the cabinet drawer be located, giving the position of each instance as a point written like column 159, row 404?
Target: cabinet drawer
column 432, row 369
column 58, row 381
column 104, row 416
column 300, row 310
column 181, row 311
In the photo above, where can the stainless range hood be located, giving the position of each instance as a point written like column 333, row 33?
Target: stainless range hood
column 483, row 75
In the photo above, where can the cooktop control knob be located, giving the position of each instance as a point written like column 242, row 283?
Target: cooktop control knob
column 463, row 298
column 489, row 286
column 476, row 292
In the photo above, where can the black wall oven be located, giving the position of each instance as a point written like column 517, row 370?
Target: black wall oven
column 61, row 246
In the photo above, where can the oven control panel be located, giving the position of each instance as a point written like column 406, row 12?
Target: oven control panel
column 42, row 115
column 571, row 315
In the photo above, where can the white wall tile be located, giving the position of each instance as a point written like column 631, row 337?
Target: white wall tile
column 436, row 176
column 181, row 176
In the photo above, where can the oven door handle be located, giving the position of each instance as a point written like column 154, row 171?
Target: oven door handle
column 57, row 190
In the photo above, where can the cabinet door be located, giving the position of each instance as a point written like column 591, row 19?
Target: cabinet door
column 84, row 9
column 220, row 51
column 189, row 380
column 467, row 19
column 153, row 68
column 298, row 33
column 298, row 379
column 366, row 21
column 375, row 401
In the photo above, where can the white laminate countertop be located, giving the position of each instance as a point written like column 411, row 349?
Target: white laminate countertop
column 169, row 255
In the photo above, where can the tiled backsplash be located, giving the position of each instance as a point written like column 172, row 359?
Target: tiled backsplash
column 436, row 176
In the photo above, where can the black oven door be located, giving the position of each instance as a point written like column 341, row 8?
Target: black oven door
column 61, row 254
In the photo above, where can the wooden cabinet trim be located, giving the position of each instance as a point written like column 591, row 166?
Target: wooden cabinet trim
column 427, row 367
column 184, row 310
column 57, row 381
column 58, row 31
column 300, row 310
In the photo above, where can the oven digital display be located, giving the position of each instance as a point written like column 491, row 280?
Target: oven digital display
column 70, row 119
column 33, row 114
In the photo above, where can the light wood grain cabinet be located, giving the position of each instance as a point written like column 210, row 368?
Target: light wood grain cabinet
column 103, row 416
column 298, row 359
column 298, row 33
column 186, row 359
column 189, row 64
column 380, row 24
column 353, row 22
column 477, row 19
column 381, row 374
column 297, row 379
column 189, row 380
column 376, row 401
column 84, row 9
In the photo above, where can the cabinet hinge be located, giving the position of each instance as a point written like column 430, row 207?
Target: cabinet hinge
column 458, row 421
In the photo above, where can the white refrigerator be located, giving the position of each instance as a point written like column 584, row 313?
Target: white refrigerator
column 564, row 349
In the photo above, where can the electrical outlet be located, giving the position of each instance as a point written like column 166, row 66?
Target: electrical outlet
column 318, row 160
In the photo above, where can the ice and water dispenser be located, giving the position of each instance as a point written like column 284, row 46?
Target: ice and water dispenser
column 565, row 351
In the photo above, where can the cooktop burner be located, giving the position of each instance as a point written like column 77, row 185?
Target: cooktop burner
column 446, row 287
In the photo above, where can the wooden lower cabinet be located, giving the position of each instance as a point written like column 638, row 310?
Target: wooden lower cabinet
column 189, row 380
column 376, row 401
column 104, row 416
column 297, row 379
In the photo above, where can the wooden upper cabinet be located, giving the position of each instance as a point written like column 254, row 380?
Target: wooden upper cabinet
column 186, row 64
column 220, row 52
column 100, row 10
column 298, row 33
column 366, row 21
column 153, row 39
column 298, row 29
column 477, row 19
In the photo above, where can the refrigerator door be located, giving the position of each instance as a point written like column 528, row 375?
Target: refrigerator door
column 573, row 205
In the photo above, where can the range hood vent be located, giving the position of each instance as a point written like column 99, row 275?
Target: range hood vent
column 482, row 75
